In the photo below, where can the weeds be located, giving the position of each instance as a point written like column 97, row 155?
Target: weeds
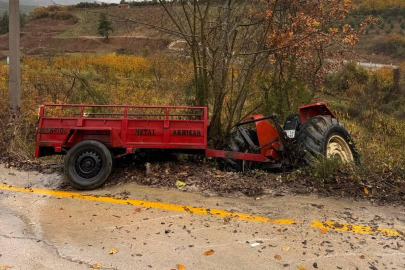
column 17, row 138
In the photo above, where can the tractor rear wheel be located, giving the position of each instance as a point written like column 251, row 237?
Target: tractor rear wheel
column 234, row 142
column 88, row 164
column 326, row 136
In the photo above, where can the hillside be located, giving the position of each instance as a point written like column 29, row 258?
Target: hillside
column 390, row 22
column 27, row 6
column 133, row 32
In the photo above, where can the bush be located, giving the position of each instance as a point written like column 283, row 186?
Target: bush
column 348, row 76
column 38, row 13
column 392, row 26
column 16, row 138
column 53, row 12
column 394, row 45
column 388, row 31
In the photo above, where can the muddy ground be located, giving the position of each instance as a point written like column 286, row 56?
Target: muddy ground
column 197, row 175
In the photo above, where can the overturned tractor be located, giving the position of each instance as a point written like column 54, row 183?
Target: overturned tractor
column 91, row 136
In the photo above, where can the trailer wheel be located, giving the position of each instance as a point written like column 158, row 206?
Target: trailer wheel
column 234, row 142
column 88, row 164
column 326, row 136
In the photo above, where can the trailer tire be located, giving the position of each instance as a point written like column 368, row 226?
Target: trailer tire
column 88, row 164
column 324, row 135
column 234, row 142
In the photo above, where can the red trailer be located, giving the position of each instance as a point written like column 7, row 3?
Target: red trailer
column 91, row 136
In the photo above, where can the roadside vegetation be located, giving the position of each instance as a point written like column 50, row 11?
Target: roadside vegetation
column 278, row 72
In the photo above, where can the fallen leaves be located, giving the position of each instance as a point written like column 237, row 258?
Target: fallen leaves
column 4, row 267
column 209, row 252
column 113, row 251
column 137, row 210
column 366, row 191
column 286, row 248
column 181, row 267
column 362, row 256
column 180, row 184
column 277, row 257
column 97, row 266
column 300, row 267
column 323, row 231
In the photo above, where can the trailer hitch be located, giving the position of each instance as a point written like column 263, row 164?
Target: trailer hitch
column 286, row 147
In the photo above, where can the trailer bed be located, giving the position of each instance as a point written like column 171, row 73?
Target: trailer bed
column 60, row 127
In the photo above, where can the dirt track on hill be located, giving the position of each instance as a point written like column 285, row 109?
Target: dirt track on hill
column 38, row 37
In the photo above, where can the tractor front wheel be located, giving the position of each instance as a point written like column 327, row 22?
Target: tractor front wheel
column 324, row 135
column 234, row 142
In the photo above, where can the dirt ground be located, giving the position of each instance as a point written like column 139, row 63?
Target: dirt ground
column 202, row 176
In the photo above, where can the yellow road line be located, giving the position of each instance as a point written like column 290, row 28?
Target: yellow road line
column 329, row 225
column 344, row 227
column 148, row 204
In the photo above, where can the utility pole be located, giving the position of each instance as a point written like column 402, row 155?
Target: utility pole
column 14, row 54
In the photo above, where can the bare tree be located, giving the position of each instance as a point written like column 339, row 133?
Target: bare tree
column 216, row 34
column 233, row 42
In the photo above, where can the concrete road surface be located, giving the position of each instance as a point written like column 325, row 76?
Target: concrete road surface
column 135, row 227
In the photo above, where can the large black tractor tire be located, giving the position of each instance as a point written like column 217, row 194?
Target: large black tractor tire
column 88, row 164
column 234, row 142
column 325, row 136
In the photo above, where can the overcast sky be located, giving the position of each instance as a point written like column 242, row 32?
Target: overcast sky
column 60, row 2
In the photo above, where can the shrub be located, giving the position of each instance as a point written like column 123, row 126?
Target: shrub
column 388, row 31
column 54, row 12
column 348, row 76
column 39, row 12
column 394, row 45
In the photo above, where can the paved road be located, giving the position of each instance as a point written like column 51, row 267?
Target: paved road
column 41, row 228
